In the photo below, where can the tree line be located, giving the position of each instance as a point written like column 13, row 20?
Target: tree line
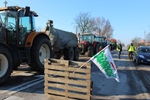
column 99, row 25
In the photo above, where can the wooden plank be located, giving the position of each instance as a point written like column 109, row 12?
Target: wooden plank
column 73, row 75
column 66, row 85
column 71, row 95
column 69, row 81
column 65, row 62
column 55, row 92
column 82, row 76
column 67, row 69
column 56, row 64
column 79, row 96
column 79, row 63
column 69, row 87
column 54, row 72
column 53, row 97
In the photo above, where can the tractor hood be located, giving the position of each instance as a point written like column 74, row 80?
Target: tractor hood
column 84, row 43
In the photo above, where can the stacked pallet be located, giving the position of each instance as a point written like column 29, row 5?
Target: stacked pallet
column 67, row 80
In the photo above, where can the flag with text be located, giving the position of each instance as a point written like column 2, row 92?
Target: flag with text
column 104, row 61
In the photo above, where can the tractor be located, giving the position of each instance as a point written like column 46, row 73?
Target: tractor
column 99, row 43
column 85, row 44
column 19, row 41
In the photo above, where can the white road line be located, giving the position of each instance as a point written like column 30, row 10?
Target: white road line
column 14, row 98
column 24, row 85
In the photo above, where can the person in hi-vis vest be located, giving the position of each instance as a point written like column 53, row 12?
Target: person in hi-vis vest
column 119, row 49
column 131, row 49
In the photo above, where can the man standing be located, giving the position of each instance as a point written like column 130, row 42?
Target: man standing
column 119, row 48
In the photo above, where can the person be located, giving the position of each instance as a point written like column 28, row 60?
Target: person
column 131, row 49
column 119, row 48
column 104, row 43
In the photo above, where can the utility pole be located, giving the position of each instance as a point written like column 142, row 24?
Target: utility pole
column 5, row 3
column 145, row 38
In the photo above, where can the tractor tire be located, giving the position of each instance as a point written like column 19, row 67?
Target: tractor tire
column 90, row 51
column 6, row 64
column 82, row 49
column 76, row 53
column 97, row 48
column 68, row 53
column 17, row 59
column 40, row 50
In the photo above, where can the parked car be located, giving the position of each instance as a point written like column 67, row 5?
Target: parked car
column 142, row 55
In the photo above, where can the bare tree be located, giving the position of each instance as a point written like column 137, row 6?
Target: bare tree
column 83, row 21
column 136, row 41
column 86, row 24
column 102, row 27
column 147, row 39
column 97, row 25
column 108, row 30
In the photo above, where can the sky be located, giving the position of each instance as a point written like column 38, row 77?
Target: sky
column 129, row 18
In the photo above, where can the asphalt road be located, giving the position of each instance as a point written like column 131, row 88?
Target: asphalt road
column 134, row 84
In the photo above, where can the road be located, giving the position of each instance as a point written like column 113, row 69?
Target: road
column 134, row 81
column 25, row 84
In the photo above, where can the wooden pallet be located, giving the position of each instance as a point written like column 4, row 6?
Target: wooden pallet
column 67, row 80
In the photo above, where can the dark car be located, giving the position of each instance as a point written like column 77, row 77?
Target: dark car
column 142, row 55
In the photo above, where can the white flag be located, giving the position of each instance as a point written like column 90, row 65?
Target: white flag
column 104, row 61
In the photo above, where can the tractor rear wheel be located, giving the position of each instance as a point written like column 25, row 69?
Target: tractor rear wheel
column 90, row 51
column 40, row 50
column 76, row 53
column 97, row 48
column 68, row 53
column 6, row 64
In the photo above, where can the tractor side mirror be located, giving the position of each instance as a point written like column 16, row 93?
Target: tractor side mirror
column 27, row 11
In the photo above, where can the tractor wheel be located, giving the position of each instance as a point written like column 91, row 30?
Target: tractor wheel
column 76, row 53
column 6, row 64
column 40, row 50
column 68, row 53
column 17, row 59
column 90, row 51
column 82, row 49
column 97, row 48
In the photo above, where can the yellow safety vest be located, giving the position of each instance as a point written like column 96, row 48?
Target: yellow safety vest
column 131, row 48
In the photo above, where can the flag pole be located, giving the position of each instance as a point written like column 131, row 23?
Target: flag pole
column 91, row 57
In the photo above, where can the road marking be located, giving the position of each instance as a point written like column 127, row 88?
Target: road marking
column 14, row 98
column 24, row 85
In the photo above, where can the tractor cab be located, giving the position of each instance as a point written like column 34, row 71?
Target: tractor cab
column 18, row 22
column 87, row 37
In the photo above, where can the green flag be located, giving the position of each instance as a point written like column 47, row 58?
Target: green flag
column 104, row 61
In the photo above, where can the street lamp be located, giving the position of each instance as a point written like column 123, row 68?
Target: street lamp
column 5, row 3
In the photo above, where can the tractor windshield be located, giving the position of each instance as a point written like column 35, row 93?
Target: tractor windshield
column 8, row 19
column 99, row 39
column 89, row 38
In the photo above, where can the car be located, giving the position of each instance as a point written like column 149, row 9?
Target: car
column 142, row 55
